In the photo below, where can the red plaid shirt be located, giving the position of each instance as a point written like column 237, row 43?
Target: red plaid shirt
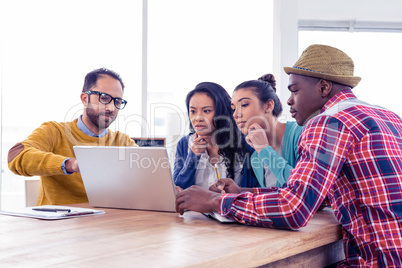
column 354, row 157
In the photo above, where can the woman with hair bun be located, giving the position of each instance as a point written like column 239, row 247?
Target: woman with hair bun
column 256, row 109
column 215, row 147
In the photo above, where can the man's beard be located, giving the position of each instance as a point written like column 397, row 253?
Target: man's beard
column 96, row 118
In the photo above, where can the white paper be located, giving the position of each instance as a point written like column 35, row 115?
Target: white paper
column 218, row 217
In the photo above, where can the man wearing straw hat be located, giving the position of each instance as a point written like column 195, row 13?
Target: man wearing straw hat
column 350, row 153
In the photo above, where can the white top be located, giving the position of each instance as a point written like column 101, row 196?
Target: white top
column 205, row 174
column 270, row 179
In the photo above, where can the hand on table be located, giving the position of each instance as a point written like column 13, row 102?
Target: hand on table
column 198, row 199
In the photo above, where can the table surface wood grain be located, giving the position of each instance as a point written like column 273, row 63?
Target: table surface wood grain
column 121, row 238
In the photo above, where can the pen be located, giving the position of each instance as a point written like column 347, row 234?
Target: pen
column 217, row 171
column 78, row 213
column 52, row 209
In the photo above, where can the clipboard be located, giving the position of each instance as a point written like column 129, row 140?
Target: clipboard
column 60, row 212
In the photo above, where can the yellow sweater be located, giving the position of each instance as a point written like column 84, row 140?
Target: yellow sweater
column 44, row 152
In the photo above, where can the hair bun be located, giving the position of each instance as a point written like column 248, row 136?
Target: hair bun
column 270, row 78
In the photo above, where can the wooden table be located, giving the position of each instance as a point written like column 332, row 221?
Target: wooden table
column 132, row 238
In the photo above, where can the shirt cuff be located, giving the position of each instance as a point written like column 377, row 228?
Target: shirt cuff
column 63, row 167
column 225, row 203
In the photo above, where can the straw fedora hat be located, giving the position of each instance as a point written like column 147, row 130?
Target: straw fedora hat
column 325, row 62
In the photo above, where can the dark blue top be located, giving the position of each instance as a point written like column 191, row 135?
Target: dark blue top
column 185, row 166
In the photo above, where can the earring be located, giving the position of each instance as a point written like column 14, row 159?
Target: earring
column 267, row 111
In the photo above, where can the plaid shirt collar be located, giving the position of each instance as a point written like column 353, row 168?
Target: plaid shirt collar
column 341, row 96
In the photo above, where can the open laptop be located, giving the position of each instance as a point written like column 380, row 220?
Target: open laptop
column 127, row 177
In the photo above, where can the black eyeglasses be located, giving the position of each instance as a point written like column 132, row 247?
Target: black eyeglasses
column 105, row 98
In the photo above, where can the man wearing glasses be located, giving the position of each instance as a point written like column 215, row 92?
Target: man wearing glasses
column 48, row 151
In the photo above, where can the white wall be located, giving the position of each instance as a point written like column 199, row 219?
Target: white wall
column 360, row 10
